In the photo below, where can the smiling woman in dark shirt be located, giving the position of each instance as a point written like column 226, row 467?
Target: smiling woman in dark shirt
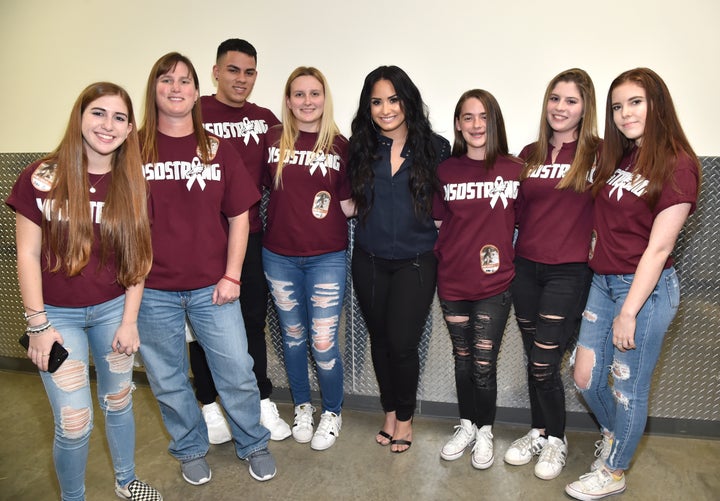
column 393, row 160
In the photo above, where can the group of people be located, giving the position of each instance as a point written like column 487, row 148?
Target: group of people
column 575, row 233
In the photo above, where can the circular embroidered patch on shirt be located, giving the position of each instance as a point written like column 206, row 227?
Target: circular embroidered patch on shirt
column 489, row 259
column 213, row 146
column 43, row 177
column 321, row 204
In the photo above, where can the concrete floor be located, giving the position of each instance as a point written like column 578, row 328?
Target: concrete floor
column 354, row 468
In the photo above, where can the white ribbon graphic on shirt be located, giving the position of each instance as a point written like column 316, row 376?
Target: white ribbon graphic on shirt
column 318, row 161
column 248, row 131
column 498, row 192
column 195, row 174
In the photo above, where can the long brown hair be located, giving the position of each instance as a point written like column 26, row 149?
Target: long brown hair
column 588, row 140
column 496, row 143
column 328, row 128
column 124, row 228
column 148, row 131
column 663, row 139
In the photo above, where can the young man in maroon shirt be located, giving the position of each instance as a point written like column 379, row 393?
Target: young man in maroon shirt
column 229, row 115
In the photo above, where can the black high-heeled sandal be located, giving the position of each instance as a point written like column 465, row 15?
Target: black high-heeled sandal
column 400, row 441
column 385, row 435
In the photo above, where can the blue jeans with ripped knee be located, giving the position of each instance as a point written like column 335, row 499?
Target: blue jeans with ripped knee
column 308, row 294
column 622, row 408
column 86, row 329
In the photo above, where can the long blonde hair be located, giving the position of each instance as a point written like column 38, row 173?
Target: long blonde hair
column 124, row 228
column 588, row 140
column 290, row 131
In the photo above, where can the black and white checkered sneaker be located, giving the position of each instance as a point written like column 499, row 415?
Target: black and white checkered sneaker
column 137, row 491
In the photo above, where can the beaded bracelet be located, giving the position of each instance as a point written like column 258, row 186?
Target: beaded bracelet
column 37, row 329
column 231, row 279
column 33, row 315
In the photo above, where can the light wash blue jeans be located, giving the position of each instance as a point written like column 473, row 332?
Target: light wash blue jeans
column 623, row 407
column 221, row 333
column 308, row 294
column 84, row 329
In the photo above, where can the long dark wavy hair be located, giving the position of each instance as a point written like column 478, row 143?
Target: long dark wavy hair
column 364, row 144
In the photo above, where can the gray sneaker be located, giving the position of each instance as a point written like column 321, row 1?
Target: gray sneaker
column 196, row 471
column 262, row 465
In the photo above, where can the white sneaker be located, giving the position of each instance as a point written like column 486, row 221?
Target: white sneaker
column 463, row 438
column 217, row 426
column 522, row 450
column 482, row 453
column 302, row 430
column 327, row 431
column 552, row 458
column 596, row 485
column 602, row 451
column 270, row 419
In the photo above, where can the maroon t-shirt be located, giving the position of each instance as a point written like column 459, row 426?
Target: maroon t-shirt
column 477, row 210
column 190, row 203
column 554, row 226
column 96, row 283
column 623, row 220
column 246, row 128
column 304, row 216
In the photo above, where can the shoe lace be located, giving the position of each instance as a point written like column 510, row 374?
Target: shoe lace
column 603, row 447
column 303, row 417
column 327, row 425
column 461, row 436
column 483, row 443
column 551, row 453
column 528, row 443
column 596, row 479
column 272, row 409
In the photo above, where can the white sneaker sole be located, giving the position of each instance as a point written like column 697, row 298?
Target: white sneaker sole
column 582, row 496
column 279, row 437
column 259, row 478
column 482, row 466
column 457, row 455
column 547, row 477
column 517, row 462
column 200, row 482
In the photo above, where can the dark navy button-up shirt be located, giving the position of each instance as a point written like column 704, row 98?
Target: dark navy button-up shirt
column 392, row 230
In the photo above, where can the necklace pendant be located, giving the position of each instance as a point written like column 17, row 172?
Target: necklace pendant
column 92, row 189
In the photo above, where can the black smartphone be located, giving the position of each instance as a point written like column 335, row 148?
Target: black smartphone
column 58, row 354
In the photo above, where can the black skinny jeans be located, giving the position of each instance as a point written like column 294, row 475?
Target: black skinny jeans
column 476, row 344
column 253, row 304
column 395, row 297
column 541, row 292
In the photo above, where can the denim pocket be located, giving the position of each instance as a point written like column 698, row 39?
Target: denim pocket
column 673, row 288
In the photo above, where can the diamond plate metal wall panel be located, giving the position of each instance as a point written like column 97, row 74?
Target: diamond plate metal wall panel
column 11, row 321
column 686, row 383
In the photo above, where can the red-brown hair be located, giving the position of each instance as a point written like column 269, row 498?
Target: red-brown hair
column 663, row 140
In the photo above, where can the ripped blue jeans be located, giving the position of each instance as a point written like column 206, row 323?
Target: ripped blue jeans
column 622, row 408
column 87, row 330
column 308, row 294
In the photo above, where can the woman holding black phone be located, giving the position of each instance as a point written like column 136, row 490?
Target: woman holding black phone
column 81, row 275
